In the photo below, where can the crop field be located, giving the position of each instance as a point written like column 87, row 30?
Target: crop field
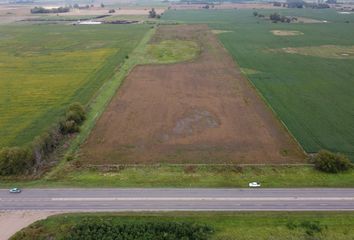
column 199, row 111
column 304, row 72
column 44, row 68
column 230, row 226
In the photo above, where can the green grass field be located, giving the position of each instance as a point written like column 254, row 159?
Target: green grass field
column 185, row 176
column 44, row 68
column 226, row 226
column 311, row 90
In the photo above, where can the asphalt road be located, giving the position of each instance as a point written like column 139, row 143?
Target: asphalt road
column 179, row 200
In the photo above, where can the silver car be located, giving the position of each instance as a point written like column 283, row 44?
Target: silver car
column 15, row 190
column 254, row 185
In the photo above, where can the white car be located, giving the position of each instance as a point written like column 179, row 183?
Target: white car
column 254, row 184
column 15, row 190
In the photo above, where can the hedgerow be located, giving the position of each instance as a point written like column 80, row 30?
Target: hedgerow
column 19, row 160
column 105, row 229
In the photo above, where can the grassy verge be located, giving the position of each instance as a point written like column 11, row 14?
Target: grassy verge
column 189, row 176
column 226, row 226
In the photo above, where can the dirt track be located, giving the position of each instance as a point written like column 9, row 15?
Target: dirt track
column 12, row 222
column 202, row 111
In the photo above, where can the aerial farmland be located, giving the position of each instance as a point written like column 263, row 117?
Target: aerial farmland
column 305, row 77
column 149, row 96
column 44, row 69
column 176, row 84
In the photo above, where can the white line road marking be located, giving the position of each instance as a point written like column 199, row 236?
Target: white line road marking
column 206, row 199
column 178, row 199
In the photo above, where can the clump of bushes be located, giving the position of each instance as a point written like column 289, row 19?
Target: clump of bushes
column 276, row 17
column 15, row 160
column 19, row 160
column 74, row 117
column 153, row 14
column 329, row 162
column 105, row 229
column 310, row 227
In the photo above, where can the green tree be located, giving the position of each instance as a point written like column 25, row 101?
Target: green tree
column 152, row 13
column 327, row 161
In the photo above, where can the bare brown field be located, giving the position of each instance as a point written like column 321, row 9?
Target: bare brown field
column 227, row 6
column 12, row 13
column 202, row 111
column 103, row 11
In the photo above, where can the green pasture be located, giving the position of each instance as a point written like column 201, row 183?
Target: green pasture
column 44, row 68
column 225, row 226
column 310, row 89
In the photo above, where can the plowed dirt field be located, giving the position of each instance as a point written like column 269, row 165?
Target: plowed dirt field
column 201, row 111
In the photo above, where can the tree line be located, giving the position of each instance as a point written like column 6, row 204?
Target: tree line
column 37, row 10
column 276, row 17
column 25, row 160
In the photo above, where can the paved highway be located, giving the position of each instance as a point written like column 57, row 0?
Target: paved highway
column 179, row 199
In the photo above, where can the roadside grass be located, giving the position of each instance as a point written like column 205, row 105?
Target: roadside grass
column 185, row 176
column 310, row 92
column 226, row 226
column 45, row 68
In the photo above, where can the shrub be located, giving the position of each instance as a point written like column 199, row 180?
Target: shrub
column 76, row 112
column 152, row 13
column 74, row 116
column 275, row 17
column 326, row 161
column 310, row 227
column 15, row 160
column 46, row 143
column 68, row 126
